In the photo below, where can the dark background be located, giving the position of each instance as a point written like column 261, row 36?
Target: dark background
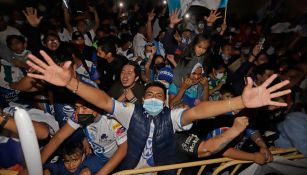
column 240, row 9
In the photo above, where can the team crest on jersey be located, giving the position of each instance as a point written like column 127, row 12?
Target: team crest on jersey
column 120, row 131
column 125, row 104
column 115, row 126
column 103, row 136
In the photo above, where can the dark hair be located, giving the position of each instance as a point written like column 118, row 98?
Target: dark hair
column 137, row 69
column 227, row 88
column 124, row 39
column 107, row 46
column 156, row 84
column 189, row 51
column 50, row 34
column 73, row 148
column 152, row 65
column 10, row 38
column 217, row 63
column 263, row 67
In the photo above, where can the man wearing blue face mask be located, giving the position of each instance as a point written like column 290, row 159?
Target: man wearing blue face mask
column 151, row 126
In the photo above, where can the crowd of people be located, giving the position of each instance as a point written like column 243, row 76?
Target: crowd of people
column 112, row 88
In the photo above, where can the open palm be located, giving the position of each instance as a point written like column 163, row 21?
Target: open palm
column 261, row 95
column 31, row 16
column 50, row 72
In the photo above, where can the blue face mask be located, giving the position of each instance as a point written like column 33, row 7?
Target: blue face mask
column 153, row 106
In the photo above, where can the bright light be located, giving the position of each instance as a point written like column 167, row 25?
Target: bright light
column 164, row 2
column 187, row 16
column 121, row 4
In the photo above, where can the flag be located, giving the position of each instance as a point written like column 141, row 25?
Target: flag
column 211, row 4
column 184, row 5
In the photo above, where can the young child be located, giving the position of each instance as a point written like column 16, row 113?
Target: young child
column 18, row 46
column 74, row 162
column 216, row 79
column 193, row 90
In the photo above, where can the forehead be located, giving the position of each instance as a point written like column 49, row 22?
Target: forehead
column 148, row 47
column 79, row 38
column 15, row 40
column 50, row 37
column 203, row 43
column 72, row 156
column 221, row 69
column 197, row 70
column 159, row 59
column 80, row 103
column 128, row 68
column 154, row 89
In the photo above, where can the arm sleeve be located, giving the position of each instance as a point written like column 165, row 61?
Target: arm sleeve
column 187, row 144
column 176, row 115
column 73, row 124
column 123, row 112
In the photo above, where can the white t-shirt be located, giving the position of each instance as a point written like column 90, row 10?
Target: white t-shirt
column 139, row 42
column 123, row 113
column 6, row 53
column 82, row 71
column 65, row 36
column 104, row 135
column 9, row 74
column 38, row 116
column 87, row 40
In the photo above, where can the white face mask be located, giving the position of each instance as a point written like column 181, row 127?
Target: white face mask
column 225, row 58
column 147, row 55
column 24, row 53
column 219, row 75
column 124, row 22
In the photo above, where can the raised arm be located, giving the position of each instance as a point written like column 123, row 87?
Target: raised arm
column 174, row 99
column 257, row 138
column 41, row 129
column 96, row 17
column 151, row 16
column 27, row 84
column 251, row 98
column 63, row 76
column 115, row 160
column 56, row 141
column 31, row 16
column 67, row 20
column 219, row 142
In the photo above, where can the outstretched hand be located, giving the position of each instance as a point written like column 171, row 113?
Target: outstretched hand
column 50, row 71
column 214, row 15
column 151, row 15
column 174, row 17
column 254, row 97
column 31, row 15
